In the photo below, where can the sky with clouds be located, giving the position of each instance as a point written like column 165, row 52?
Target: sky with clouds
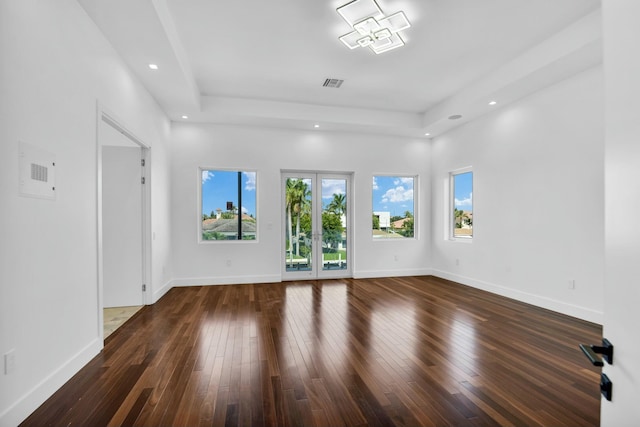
column 220, row 187
column 393, row 194
column 463, row 191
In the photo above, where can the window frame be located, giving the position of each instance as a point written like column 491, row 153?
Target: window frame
column 414, row 200
column 201, row 170
column 451, row 221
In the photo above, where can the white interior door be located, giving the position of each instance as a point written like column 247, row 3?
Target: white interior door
column 122, row 245
column 621, row 31
column 317, row 229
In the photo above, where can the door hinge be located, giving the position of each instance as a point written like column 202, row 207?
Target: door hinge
column 142, row 180
column 144, row 288
column 142, row 162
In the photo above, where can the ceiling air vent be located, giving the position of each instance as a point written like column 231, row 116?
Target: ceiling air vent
column 333, row 83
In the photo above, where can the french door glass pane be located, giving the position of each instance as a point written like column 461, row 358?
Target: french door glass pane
column 299, row 227
column 334, row 224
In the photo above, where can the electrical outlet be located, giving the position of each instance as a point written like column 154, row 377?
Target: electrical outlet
column 228, row 263
column 9, row 362
column 395, row 257
column 457, row 261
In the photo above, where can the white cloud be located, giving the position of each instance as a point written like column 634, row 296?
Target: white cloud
column 250, row 185
column 398, row 194
column 466, row 202
column 206, row 176
column 406, row 181
column 333, row 186
column 375, row 183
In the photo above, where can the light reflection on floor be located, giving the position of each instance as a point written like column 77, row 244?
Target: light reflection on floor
column 318, row 312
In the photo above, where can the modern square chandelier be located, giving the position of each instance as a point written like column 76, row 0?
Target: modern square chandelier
column 371, row 28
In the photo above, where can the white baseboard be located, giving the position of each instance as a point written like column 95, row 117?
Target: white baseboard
column 276, row 278
column 537, row 300
column 372, row 274
column 30, row 401
column 160, row 292
column 226, row 280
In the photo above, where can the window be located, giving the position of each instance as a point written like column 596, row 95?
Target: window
column 393, row 207
column 461, row 219
column 228, row 205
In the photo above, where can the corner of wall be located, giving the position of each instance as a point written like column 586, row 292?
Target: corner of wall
column 157, row 294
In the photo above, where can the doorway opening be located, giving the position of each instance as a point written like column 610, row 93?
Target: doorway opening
column 123, row 244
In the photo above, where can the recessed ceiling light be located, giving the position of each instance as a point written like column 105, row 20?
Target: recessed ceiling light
column 493, row 102
column 316, row 126
column 153, row 66
column 455, row 117
column 427, row 134
column 185, row 117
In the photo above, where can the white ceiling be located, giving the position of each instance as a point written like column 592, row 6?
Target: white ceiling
column 257, row 62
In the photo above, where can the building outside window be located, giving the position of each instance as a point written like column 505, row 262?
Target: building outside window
column 393, row 214
column 228, row 205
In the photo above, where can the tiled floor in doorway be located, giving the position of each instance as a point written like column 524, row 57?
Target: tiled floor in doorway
column 114, row 317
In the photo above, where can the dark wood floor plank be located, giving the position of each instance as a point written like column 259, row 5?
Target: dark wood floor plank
column 134, row 412
column 377, row 352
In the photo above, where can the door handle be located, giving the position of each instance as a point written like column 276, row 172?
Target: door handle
column 606, row 387
column 592, row 351
column 606, row 349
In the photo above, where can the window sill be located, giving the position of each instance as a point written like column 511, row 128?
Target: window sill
column 461, row 239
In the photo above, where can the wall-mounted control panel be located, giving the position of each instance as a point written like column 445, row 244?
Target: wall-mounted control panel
column 37, row 169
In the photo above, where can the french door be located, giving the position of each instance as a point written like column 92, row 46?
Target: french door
column 317, row 229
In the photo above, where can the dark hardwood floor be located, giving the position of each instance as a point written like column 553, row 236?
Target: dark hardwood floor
column 394, row 351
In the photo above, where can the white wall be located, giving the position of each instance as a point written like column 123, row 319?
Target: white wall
column 538, row 199
column 55, row 66
column 269, row 151
column 159, row 180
